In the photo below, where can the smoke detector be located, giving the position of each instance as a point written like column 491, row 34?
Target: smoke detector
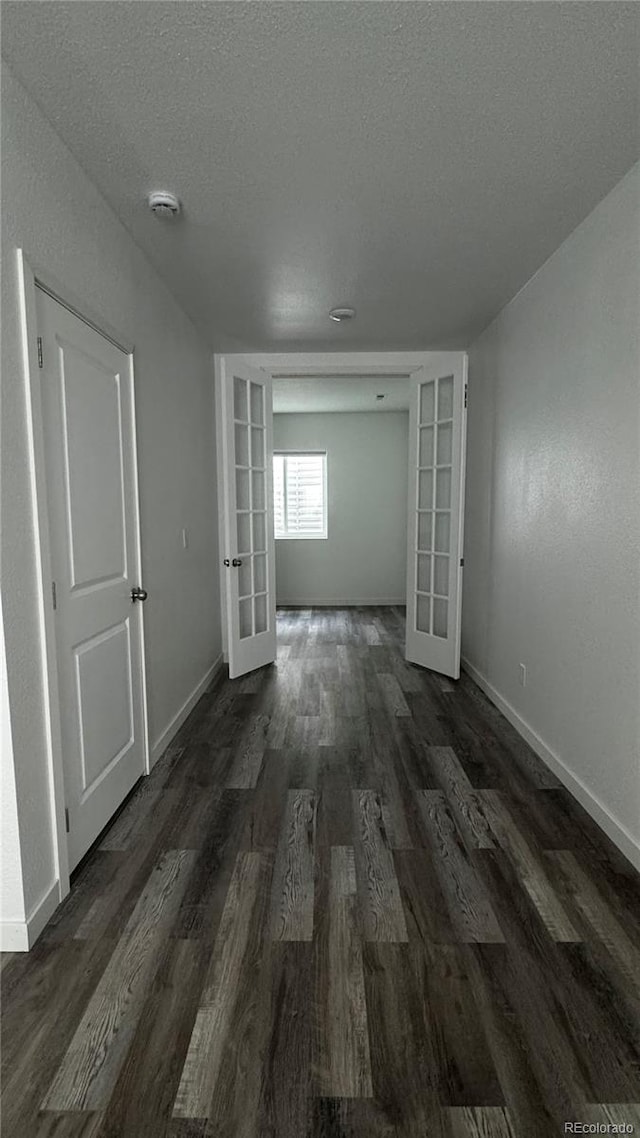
column 341, row 315
column 164, row 204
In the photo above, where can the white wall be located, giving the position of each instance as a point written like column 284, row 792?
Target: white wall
column 11, row 888
column 552, row 545
column 58, row 217
column 364, row 559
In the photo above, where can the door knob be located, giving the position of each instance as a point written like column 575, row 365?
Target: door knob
column 138, row 594
column 236, row 561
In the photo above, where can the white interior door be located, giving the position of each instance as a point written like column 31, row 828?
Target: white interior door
column 249, row 558
column 87, row 401
column 437, row 433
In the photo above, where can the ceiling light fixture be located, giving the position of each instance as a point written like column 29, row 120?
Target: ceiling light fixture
column 164, row 204
column 340, row 315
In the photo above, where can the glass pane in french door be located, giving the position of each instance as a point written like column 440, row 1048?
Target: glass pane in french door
column 257, row 405
column 260, row 613
column 240, row 406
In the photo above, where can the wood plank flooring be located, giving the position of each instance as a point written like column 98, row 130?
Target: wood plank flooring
column 348, row 902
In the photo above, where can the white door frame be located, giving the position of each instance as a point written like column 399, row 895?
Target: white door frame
column 28, row 280
column 296, row 363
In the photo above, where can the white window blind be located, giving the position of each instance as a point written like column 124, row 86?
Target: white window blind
column 300, row 494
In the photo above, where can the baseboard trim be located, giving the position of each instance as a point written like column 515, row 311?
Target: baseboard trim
column 14, row 936
column 20, row 936
column 618, row 833
column 172, row 728
column 341, row 604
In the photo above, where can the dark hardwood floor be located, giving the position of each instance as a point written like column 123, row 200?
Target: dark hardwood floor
column 349, row 901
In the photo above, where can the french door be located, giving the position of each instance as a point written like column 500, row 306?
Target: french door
column 249, row 555
column 437, row 429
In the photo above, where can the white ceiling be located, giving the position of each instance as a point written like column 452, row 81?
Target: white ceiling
column 340, row 393
column 418, row 161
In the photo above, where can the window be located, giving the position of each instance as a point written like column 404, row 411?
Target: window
column 300, row 494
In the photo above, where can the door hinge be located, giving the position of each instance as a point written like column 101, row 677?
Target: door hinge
column 465, row 394
column 54, row 595
column 461, row 562
column 39, row 351
column 66, row 818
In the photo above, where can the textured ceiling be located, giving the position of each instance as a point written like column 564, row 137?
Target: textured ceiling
column 417, row 161
column 340, row 393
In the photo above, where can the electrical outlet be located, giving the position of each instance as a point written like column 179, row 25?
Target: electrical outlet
column 185, row 539
column 523, row 675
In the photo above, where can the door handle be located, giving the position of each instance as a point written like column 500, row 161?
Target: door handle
column 138, row 594
column 236, row 562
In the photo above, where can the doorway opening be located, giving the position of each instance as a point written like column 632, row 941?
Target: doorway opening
column 342, row 482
